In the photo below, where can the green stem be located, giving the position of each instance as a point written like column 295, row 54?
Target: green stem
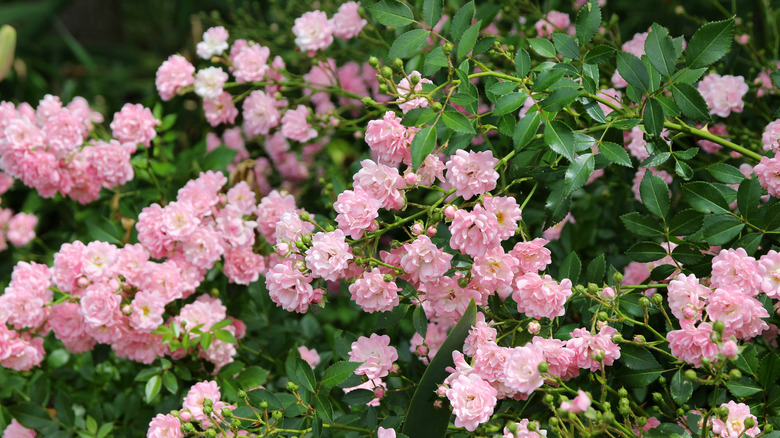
column 681, row 127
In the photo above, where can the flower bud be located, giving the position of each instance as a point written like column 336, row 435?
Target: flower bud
column 592, row 288
column 226, row 412
column 367, row 101
column 304, row 216
column 441, row 391
column 735, row 374
column 208, row 410
column 543, row 367
column 292, row 386
column 640, row 339
column 618, row 338
column 417, row 229
column 658, row 397
column 449, row 212
column 579, row 289
column 603, row 316
column 749, row 422
column 622, row 393
column 730, row 349
column 690, row 375
column 512, row 427
column 185, row 416
column 718, row 327
column 398, row 64
column 658, row 299
column 431, row 231
column 722, row 411
column 373, row 61
column 618, row 277
column 188, row 427
column 211, row 433
column 263, row 405
column 608, row 417
column 436, row 106
column 7, row 48
column 235, row 422
column 383, row 87
column 329, row 228
column 277, row 415
column 282, row 248
column 608, row 293
column 662, row 380
column 414, row 79
column 644, row 302
column 548, row 399
column 463, row 282
column 387, row 72
column 208, row 402
column 447, row 48
column 624, row 407
column 534, row 327
column 241, row 393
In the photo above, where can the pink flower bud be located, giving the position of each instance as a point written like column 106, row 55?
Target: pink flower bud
column 185, row 416
column 82, row 282
column 437, row 403
column 412, row 179
column 379, row 392
column 608, row 293
column 689, row 312
column 417, row 229
column 431, row 231
column 282, row 248
column 373, row 227
column 449, row 212
column 534, row 327
column 442, row 391
column 729, row 349
column 422, row 350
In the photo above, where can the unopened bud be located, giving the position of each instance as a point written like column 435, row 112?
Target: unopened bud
column 367, row 101
column 241, row 393
column 658, row 397
column 210, row 433
column 208, row 410
column 463, row 282
column 749, row 423
column 608, row 417
column 658, row 299
column 282, row 248
column 387, row 72
column 608, row 293
column 388, row 278
column 640, row 339
column 603, row 316
column 730, row 349
column 691, row 375
column 292, row 386
column 449, row 212
column 7, row 48
column 579, row 289
column 304, row 216
column 644, row 302
column 662, row 380
column 373, row 61
column 207, row 402
column 441, row 391
column 718, row 326
column 263, row 405
column 512, row 427
column 414, row 79
column 641, row 421
column 226, row 412
column 592, row 288
column 447, row 48
column 618, row 277
column 543, row 367
column 617, row 338
column 417, row 229
column 534, row 327
column 398, row 64
column 622, row 392
column 436, row 106
column 411, row 179
column 188, row 427
column 431, row 231
column 277, row 415
column 235, row 422
column 735, row 374
column 382, row 88
column 185, row 416
column 548, row 399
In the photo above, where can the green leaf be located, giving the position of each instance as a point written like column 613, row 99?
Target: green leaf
column 667, row 430
column 690, row 101
column 686, row 254
column 391, row 318
column 252, row 377
column 462, row 20
column 598, row 54
column 64, row 407
column 642, row 226
column 690, row 76
column 633, row 71
column 704, row 197
column 681, row 388
column 547, row 78
column 595, row 270
column 615, row 153
column 640, row 378
column 30, row 415
column 409, row 44
column 105, row 429
column 522, row 62
column 653, row 117
column 744, row 387
column 748, row 196
column 659, row 48
column 769, row 370
column 775, row 76
column 559, row 99
column 170, row 382
column 638, row 358
column 502, row 88
column 324, row 408
column 392, row 13
column 218, row 159
column 526, row 128
column 469, row 38
column 422, row 145
column 257, row 396
column 560, row 138
column 577, row 173
column 225, row 336
column 419, row 321
column 543, row 47
column 725, row 173
column 509, row 103
column 710, row 43
column 720, row 229
column 358, row 397
column 686, row 222
column 432, row 11
column 423, row 419
column 434, row 61
column 670, row 108
column 655, row 194
column 152, row 388
column 570, row 268
column 457, row 122
column 304, row 376
column 91, row 424
column 483, row 45
column 339, row 372
column 101, row 228
column 588, row 22
column 646, row 252
column 565, row 45
column 747, row 361
column 683, row 170
column 749, row 242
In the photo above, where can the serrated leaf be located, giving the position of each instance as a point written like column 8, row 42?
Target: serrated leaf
column 744, row 387
column 547, row 78
column 670, row 108
column 462, row 20
column 565, row 45
column 570, row 268
column 646, row 252
column 642, row 226
column 509, row 103
column 577, row 173
column 422, row 145
column 656, row 159
column 339, row 372
column 686, row 254
column 257, row 396
column 598, row 54
column 653, row 117
column 615, row 153
column 769, row 370
column 686, row 222
column 633, row 71
column 457, row 122
column 704, row 197
column 391, row 318
column 543, row 47
column 559, row 98
column 690, row 101
column 225, row 336
column 749, row 242
column 525, row 130
column 358, row 397
column 638, row 358
column 323, row 408
column 588, row 22
column 683, row 170
column 659, row 48
column 747, row 361
column 252, row 377
column 432, row 11
column 303, row 375
column 721, row 229
column 434, row 61
column 595, row 270
column 392, row 13
column 468, row 39
column 681, row 388
column 725, row 173
column 560, row 138
column 409, row 44
column 710, row 43
column 655, row 194
column 748, row 196
column 522, row 62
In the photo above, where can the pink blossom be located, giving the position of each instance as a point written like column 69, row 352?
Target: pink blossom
column 472, row 400
column 16, row 430
column 270, row 211
column 635, row 143
column 686, row 293
column 423, row 261
column 540, row 297
column 310, row 356
column 99, row 261
column 199, row 392
column 581, row 403
column 507, row 213
column 48, row 108
column 150, row 234
column 377, row 386
column 532, row 255
column 328, row 256
column 554, row 232
column 521, row 429
column 178, row 220
column 768, row 173
column 68, row 326
column 382, row 432
column 356, row 212
column 147, row 312
column 220, row 110
column 588, row 348
column 296, row 127
column 552, row 22
column 723, row 94
column 490, row 360
column 390, row 140
column 164, row 426
column 430, row 170
column 740, row 313
column 99, row 305
column 406, row 91
column 64, row 133
column 209, row 82
column 111, row 162
column 446, row 301
column 174, row 74
column 375, row 354
column 260, row 113
column 313, row 31
column 426, row 349
column 290, row 289
column 232, row 226
column 373, row 294
column 472, row 173
column 382, row 183
column 495, row 270
column 214, row 42
column 242, row 265
column 734, row 269
column 163, row 279
column 730, row 349
column 19, row 353
column 347, row 23
column 480, row 334
column 770, row 263
column 771, row 136
column 560, row 359
column 521, row 370
column 474, row 232
column 21, row 229
column 734, row 426
column 250, row 64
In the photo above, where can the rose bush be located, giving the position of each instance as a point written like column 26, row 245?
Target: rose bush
column 481, row 221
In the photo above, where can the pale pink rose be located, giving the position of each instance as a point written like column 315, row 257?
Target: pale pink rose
column 553, row 21
column 372, row 293
column 430, row 170
column 296, row 127
column 357, row 211
column 174, row 74
column 427, row 348
column 313, row 31
column 163, row 279
column 209, row 82
column 375, row 354
column 740, row 313
column 270, row 211
column 291, row 228
column 730, row 349
column 68, row 326
column 250, row 64
column 199, row 392
column 260, row 114
column 734, row 426
column 480, row 334
column 423, row 261
column 474, row 232
column 100, row 305
column 347, row 24
column 382, row 183
column 220, row 110
column 178, row 220
column 110, row 162
column 495, row 270
column 64, row 133
column 521, row 370
column 203, row 247
column 21, row 229
column 634, row 141
column 289, row 288
column 472, row 173
column 686, row 293
column 328, row 256
column 472, row 400
column 560, row 359
column 310, row 356
column 164, row 426
column 554, row 232
column 446, row 301
column 21, row 354
column 232, row 226
column 406, row 101
column 532, row 255
column 540, row 297
column 382, row 432
column 390, row 140
column 507, row 212
column 723, row 94
column 768, row 173
column 16, row 430
column 521, row 429
column 242, row 265
column 377, row 386
column 771, row 136
column 147, row 312
column 48, row 108
column 214, row 42
column 734, row 269
column 589, row 348
column 770, row 262
column 581, row 403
